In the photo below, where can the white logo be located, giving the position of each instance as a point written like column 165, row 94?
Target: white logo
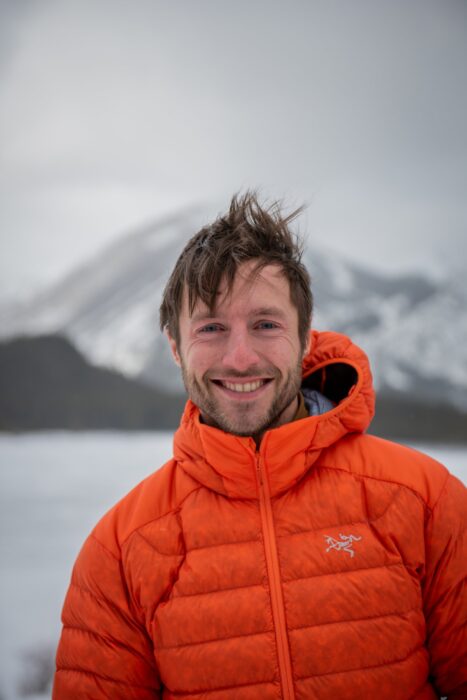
column 344, row 544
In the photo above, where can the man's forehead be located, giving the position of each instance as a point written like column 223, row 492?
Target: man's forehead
column 246, row 281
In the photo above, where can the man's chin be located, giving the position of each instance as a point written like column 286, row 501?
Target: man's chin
column 233, row 428
column 246, row 427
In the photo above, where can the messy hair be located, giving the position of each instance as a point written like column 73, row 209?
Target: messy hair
column 248, row 231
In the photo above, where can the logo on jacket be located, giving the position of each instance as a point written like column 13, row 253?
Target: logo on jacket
column 342, row 545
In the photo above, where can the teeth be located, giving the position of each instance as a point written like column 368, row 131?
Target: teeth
column 244, row 388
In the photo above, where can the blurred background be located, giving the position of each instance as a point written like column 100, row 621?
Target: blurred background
column 124, row 127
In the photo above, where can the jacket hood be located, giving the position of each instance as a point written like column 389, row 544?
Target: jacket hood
column 227, row 463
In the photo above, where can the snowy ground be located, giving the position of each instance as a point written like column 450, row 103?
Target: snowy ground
column 53, row 489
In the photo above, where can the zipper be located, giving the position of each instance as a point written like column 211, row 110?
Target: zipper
column 272, row 563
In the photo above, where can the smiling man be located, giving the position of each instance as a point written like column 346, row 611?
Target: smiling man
column 281, row 553
column 242, row 363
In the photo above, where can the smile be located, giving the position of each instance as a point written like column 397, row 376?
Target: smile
column 244, row 387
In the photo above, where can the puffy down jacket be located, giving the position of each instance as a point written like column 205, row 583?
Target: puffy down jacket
column 325, row 564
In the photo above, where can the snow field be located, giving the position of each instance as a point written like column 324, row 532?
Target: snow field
column 53, row 489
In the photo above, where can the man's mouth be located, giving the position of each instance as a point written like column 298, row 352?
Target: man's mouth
column 242, row 387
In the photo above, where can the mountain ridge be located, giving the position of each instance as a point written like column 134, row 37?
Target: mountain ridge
column 108, row 307
column 46, row 384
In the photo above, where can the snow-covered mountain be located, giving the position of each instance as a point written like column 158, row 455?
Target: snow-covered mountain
column 413, row 329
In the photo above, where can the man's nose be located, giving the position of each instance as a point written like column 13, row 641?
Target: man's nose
column 239, row 353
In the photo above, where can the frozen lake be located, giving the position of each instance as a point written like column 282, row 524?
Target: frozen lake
column 53, row 489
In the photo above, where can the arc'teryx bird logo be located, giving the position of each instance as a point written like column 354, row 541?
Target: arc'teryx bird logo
column 344, row 544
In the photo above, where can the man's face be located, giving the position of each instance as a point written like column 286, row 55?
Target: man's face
column 242, row 365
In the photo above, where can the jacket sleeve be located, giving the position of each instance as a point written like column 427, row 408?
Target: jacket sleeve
column 445, row 592
column 104, row 650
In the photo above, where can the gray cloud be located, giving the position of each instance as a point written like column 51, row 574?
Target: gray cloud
column 111, row 113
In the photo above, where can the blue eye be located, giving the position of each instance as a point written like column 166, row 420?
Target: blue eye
column 267, row 325
column 210, row 328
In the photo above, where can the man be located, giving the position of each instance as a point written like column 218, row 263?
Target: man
column 281, row 553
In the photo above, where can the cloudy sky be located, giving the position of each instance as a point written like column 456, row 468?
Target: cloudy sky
column 113, row 113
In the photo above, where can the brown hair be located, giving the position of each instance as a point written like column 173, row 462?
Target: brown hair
column 247, row 232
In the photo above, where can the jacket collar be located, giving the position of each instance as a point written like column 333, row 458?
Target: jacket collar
column 227, row 464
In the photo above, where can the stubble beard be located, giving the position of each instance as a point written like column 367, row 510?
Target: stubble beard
column 243, row 423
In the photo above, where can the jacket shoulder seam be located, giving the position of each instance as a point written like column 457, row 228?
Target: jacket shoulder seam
column 159, row 517
column 442, row 490
column 93, row 537
column 358, row 475
column 138, row 533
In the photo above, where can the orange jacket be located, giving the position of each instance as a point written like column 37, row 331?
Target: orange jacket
column 327, row 564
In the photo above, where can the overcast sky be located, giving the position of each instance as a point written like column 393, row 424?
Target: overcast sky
column 113, row 113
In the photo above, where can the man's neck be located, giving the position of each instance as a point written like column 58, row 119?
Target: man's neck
column 288, row 415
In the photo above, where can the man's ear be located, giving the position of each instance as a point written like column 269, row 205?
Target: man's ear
column 173, row 348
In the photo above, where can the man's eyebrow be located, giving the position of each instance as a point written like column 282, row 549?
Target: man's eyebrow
column 267, row 311
column 259, row 311
column 202, row 316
